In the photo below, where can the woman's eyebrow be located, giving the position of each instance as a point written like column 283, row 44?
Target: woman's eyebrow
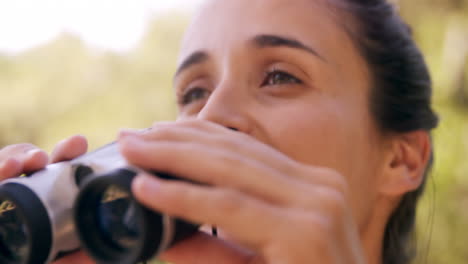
column 260, row 41
column 266, row 41
column 195, row 58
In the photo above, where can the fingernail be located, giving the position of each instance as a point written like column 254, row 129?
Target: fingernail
column 162, row 124
column 145, row 184
column 32, row 152
column 131, row 140
column 128, row 132
column 131, row 143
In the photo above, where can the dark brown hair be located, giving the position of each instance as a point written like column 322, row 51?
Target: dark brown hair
column 400, row 97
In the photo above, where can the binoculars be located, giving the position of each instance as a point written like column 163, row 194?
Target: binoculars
column 86, row 204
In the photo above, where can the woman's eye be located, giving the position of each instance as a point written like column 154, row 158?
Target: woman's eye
column 279, row 78
column 192, row 95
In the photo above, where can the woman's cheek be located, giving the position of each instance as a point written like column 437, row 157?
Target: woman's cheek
column 310, row 134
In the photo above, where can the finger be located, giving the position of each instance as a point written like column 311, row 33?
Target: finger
column 220, row 168
column 129, row 132
column 214, row 136
column 75, row 258
column 16, row 150
column 169, row 123
column 34, row 160
column 133, row 131
column 29, row 157
column 69, row 148
column 251, row 221
column 248, row 146
column 210, row 134
column 212, row 167
column 205, row 249
column 10, row 168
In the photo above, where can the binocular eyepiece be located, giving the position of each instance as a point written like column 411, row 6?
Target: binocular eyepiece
column 85, row 203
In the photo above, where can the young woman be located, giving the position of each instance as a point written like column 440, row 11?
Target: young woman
column 310, row 122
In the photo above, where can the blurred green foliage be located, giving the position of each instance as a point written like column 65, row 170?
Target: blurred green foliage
column 65, row 87
column 441, row 29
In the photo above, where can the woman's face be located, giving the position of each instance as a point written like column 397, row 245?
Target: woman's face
column 287, row 74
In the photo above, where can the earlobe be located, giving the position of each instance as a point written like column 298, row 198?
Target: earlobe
column 405, row 163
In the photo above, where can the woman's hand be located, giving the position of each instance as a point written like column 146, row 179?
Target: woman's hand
column 24, row 158
column 271, row 208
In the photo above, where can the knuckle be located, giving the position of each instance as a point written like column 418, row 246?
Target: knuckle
column 334, row 205
column 312, row 225
column 162, row 132
column 192, row 123
column 228, row 143
column 320, row 227
column 181, row 202
column 231, row 161
column 336, row 180
column 228, row 201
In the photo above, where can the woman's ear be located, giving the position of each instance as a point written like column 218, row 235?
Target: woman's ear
column 405, row 163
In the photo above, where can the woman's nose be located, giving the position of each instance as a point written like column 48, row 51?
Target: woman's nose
column 229, row 107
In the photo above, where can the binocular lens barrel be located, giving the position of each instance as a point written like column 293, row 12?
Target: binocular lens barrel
column 25, row 232
column 116, row 214
column 13, row 231
column 115, row 228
